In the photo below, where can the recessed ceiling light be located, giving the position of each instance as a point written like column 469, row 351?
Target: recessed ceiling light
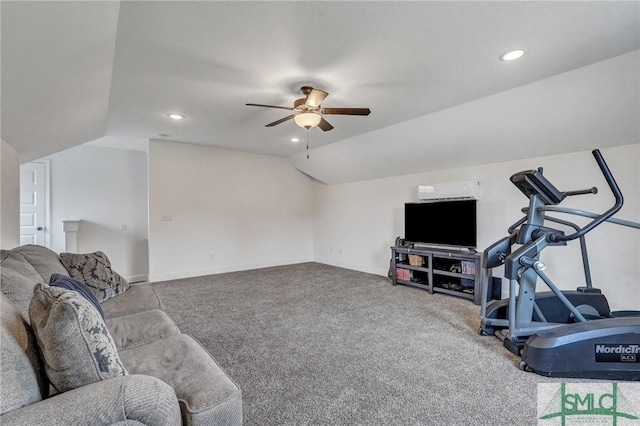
column 295, row 139
column 175, row 116
column 512, row 55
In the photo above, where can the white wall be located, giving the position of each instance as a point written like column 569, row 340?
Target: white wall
column 9, row 196
column 230, row 211
column 105, row 189
column 355, row 224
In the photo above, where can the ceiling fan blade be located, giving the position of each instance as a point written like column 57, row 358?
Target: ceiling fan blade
column 347, row 111
column 315, row 98
column 270, row 106
column 324, row 125
column 282, row 120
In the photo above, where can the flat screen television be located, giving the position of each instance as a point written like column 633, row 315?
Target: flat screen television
column 447, row 223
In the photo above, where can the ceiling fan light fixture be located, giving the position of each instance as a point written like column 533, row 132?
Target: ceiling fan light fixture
column 307, row 120
column 175, row 116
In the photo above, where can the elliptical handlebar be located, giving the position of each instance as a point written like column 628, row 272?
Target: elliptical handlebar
column 592, row 190
column 619, row 200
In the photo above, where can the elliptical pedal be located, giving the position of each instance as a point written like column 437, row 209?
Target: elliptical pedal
column 513, row 347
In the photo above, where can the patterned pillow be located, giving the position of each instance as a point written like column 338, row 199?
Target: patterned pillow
column 73, row 339
column 94, row 269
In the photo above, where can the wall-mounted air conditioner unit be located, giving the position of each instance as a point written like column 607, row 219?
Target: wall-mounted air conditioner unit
column 463, row 190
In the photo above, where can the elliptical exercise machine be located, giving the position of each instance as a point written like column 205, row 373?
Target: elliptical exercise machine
column 558, row 333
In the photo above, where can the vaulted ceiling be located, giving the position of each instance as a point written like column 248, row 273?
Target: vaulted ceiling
column 109, row 72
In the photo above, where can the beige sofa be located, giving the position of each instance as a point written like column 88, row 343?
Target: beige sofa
column 171, row 378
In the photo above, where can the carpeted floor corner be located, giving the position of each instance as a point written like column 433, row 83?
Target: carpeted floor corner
column 316, row 344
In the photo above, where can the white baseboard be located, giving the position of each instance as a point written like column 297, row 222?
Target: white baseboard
column 224, row 269
column 246, row 267
column 137, row 278
column 361, row 268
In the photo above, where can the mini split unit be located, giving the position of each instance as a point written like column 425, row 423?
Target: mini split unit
column 463, row 190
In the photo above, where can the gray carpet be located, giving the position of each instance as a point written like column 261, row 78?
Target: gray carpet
column 315, row 344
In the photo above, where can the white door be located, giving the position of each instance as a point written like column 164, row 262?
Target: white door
column 34, row 212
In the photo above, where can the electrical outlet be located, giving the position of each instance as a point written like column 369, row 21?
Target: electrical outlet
column 123, row 227
column 340, row 251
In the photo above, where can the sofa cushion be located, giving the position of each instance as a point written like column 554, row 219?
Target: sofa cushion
column 139, row 297
column 73, row 339
column 94, row 269
column 44, row 260
column 17, row 279
column 206, row 394
column 24, row 381
column 140, row 328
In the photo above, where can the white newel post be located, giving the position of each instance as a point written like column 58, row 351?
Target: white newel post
column 70, row 228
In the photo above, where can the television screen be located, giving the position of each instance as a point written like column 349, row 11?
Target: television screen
column 449, row 223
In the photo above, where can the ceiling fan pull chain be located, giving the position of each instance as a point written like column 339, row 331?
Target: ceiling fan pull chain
column 307, row 143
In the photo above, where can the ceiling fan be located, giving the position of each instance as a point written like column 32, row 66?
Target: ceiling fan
column 309, row 110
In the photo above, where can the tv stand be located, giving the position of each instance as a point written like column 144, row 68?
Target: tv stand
column 440, row 270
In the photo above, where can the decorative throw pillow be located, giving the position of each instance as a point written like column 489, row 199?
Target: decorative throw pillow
column 73, row 339
column 69, row 283
column 94, row 269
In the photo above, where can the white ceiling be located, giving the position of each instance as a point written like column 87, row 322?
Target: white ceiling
column 75, row 72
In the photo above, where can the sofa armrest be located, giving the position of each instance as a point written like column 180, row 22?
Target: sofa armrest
column 128, row 399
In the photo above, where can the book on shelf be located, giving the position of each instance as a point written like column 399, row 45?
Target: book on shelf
column 403, row 274
column 468, row 267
